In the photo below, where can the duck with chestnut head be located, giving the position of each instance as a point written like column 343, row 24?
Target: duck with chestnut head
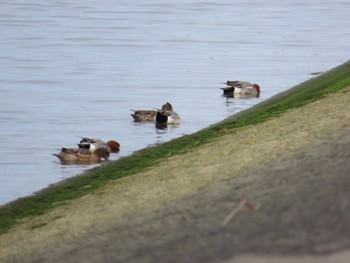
column 92, row 144
column 240, row 87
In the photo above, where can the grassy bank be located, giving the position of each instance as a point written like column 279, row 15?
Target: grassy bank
column 88, row 182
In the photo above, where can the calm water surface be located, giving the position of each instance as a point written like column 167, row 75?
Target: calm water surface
column 75, row 68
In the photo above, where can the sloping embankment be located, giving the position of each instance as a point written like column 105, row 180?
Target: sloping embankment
column 292, row 163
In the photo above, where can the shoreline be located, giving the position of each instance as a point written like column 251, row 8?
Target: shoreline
column 174, row 209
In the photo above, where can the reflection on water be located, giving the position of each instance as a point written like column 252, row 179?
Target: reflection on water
column 75, row 68
column 242, row 96
column 162, row 128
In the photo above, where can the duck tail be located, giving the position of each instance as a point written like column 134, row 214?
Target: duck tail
column 57, row 155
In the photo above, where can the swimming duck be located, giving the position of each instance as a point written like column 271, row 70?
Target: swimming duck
column 82, row 156
column 144, row 115
column 240, row 87
column 148, row 115
column 167, row 115
column 92, row 144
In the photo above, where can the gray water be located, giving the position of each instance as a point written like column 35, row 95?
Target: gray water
column 75, row 68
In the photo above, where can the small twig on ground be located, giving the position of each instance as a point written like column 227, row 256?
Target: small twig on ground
column 234, row 212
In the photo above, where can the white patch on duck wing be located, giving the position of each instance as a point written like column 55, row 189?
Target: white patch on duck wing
column 92, row 147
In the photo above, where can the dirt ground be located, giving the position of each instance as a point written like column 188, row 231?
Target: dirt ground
column 292, row 170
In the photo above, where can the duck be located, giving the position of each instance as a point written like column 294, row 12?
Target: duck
column 148, row 115
column 82, row 156
column 167, row 115
column 92, row 144
column 241, row 87
column 144, row 115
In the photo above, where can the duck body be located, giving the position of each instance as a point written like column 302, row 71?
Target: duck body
column 241, row 87
column 93, row 144
column 148, row 115
column 144, row 115
column 82, row 156
column 166, row 116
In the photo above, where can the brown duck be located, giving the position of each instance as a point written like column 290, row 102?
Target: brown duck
column 82, row 156
column 240, row 87
column 149, row 115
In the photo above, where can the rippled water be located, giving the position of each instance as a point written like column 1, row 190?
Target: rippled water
column 75, row 68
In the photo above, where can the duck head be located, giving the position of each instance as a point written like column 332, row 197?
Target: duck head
column 257, row 88
column 113, row 146
column 167, row 106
